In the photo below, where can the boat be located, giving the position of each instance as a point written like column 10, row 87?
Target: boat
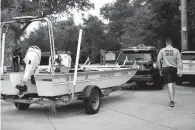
column 62, row 86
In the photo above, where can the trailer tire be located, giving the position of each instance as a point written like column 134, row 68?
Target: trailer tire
column 22, row 106
column 93, row 102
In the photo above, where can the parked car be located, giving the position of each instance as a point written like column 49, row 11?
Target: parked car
column 188, row 59
column 144, row 59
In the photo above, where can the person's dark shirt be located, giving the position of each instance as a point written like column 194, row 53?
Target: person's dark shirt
column 17, row 57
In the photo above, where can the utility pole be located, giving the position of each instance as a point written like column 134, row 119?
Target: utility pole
column 184, row 34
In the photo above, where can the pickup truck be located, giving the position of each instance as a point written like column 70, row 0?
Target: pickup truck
column 188, row 59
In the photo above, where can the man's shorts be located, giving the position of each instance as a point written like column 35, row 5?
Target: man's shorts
column 169, row 75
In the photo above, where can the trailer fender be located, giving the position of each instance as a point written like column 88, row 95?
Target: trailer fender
column 87, row 90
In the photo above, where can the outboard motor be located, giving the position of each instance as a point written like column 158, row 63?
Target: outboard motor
column 32, row 60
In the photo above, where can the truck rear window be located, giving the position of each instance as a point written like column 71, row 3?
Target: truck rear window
column 135, row 56
column 188, row 56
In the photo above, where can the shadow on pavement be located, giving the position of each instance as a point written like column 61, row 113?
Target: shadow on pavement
column 75, row 108
column 188, row 84
column 142, row 87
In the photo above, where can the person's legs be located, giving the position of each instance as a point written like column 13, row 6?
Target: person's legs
column 169, row 81
column 171, row 85
column 174, row 85
column 17, row 68
column 171, row 90
column 175, row 77
column 14, row 65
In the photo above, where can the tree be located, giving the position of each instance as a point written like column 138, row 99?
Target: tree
column 148, row 21
column 92, row 37
column 65, row 37
column 40, row 8
column 129, row 21
column 191, row 24
column 96, row 37
column 166, row 23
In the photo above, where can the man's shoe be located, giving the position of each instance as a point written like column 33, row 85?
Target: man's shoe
column 172, row 104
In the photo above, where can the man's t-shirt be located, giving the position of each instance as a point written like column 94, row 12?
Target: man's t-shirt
column 170, row 56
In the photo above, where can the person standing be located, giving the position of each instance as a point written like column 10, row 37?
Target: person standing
column 16, row 61
column 170, row 66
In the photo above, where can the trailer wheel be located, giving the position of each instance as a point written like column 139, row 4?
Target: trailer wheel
column 93, row 102
column 158, row 82
column 22, row 106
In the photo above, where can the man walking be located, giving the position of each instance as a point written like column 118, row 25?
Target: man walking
column 170, row 68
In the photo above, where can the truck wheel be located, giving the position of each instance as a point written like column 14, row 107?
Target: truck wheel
column 158, row 84
column 135, row 85
column 93, row 102
column 22, row 106
column 179, row 81
column 193, row 83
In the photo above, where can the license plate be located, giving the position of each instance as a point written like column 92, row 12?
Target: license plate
column 191, row 64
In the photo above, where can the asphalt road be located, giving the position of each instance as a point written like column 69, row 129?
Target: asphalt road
column 122, row 110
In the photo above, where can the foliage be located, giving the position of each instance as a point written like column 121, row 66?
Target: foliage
column 128, row 21
column 66, row 38
column 96, row 37
column 191, row 24
column 148, row 21
column 131, row 22
column 65, row 32
column 166, row 23
column 40, row 8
